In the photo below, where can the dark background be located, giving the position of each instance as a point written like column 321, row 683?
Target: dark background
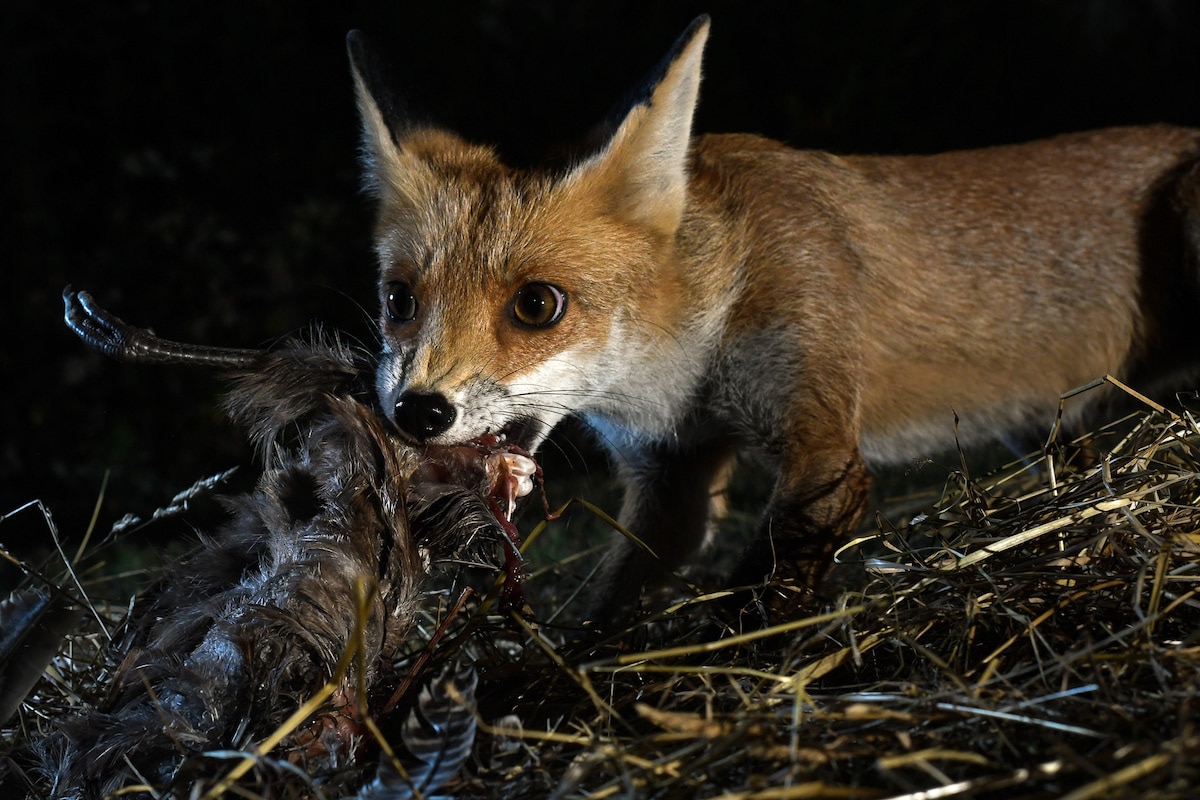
column 194, row 165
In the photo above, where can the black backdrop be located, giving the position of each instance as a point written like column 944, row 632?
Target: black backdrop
column 193, row 164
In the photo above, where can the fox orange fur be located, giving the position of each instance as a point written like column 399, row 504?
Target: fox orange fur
column 690, row 295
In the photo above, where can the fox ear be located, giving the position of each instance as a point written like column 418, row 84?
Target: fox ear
column 384, row 116
column 643, row 167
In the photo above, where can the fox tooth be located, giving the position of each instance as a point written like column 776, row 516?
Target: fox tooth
column 522, row 468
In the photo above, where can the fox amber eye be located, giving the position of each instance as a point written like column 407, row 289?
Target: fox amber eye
column 399, row 303
column 539, row 305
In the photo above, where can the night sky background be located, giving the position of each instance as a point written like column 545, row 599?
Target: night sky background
column 193, row 165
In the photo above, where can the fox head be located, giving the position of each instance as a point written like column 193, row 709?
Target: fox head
column 513, row 298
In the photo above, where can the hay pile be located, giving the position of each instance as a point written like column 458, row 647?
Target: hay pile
column 1033, row 634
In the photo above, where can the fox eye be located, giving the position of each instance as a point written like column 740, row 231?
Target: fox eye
column 539, row 305
column 400, row 304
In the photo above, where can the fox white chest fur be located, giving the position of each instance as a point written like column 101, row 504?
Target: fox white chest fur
column 692, row 295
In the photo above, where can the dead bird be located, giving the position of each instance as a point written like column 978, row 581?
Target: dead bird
column 258, row 617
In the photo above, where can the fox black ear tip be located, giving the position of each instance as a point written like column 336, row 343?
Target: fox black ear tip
column 356, row 42
column 697, row 28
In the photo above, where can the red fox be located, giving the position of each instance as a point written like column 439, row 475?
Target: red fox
column 690, row 295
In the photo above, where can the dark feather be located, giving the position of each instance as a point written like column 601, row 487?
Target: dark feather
column 438, row 735
column 32, row 628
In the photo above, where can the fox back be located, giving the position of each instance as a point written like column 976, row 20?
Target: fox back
column 688, row 296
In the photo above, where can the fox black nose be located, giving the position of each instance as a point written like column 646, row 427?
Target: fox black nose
column 423, row 415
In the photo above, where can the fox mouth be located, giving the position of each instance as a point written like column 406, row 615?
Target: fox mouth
column 500, row 468
column 518, row 435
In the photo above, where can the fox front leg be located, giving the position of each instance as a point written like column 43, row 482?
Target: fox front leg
column 817, row 504
column 674, row 498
